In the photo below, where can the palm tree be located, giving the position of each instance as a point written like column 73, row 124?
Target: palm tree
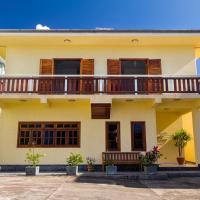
column 181, row 138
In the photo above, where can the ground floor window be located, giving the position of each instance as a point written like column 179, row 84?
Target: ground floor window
column 112, row 136
column 49, row 134
column 138, row 136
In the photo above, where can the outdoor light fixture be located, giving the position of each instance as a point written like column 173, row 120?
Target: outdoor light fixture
column 67, row 41
column 135, row 41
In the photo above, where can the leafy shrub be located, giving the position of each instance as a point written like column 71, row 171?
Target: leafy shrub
column 150, row 157
column 74, row 159
column 90, row 160
column 33, row 158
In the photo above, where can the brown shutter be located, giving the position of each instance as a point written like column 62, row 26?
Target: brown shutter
column 46, row 66
column 154, row 68
column 113, row 68
column 87, row 67
column 45, row 85
column 87, row 83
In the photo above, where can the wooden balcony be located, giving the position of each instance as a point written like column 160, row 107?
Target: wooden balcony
column 132, row 85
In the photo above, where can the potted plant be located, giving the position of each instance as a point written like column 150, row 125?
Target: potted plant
column 33, row 159
column 148, row 160
column 181, row 138
column 90, row 163
column 111, row 169
column 73, row 161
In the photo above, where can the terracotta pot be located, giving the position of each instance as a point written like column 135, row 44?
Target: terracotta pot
column 90, row 168
column 180, row 160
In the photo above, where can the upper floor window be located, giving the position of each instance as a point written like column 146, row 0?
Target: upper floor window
column 67, row 66
column 2, row 67
column 49, row 134
column 198, row 66
column 130, row 67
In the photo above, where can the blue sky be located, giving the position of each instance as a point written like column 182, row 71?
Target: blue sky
column 89, row 14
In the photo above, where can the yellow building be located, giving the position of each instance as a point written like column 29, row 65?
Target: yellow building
column 95, row 91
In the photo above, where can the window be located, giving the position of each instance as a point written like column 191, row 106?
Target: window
column 133, row 67
column 2, row 66
column 67, row 66
column 138, row 136
column 112, row 136
column 49, row 134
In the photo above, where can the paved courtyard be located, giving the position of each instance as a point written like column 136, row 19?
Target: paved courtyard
column 60, row 187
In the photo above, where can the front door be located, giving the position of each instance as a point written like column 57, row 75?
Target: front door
column 112, row 136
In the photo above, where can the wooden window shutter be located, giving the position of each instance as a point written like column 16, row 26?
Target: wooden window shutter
column 113, row 68
column 87, row 67
column 87, row 83
column 154, row 68
column 46, row 67
column 45, row 85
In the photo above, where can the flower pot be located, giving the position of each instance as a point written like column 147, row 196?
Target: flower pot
column 72, row 170
column 150, row 169
column 90, row 168
column 180, row 160
column 111, row 170
column 32, row 170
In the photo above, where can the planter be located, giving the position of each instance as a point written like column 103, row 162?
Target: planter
column 72, row 170
column 150, row 169
column 32, row 170
column 111, row 170
column 90, row 168
column 180, row 160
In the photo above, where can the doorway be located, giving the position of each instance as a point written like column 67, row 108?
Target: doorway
column 112, row 136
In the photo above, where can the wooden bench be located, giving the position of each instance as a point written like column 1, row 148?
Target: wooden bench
column 120, row 158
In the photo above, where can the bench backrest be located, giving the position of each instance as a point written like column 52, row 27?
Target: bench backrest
column 120, row 156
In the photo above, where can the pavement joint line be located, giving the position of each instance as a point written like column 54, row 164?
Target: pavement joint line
column 54, row 192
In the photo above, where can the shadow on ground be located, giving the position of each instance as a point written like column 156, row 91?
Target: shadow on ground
column 172, row 183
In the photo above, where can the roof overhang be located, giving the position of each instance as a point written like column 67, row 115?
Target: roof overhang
column 99, row 37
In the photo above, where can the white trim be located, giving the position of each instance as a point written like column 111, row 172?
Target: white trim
column 96, row 76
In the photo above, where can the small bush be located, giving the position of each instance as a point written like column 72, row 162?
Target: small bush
column 33, row 158
column 74, row 159
column 90, row 160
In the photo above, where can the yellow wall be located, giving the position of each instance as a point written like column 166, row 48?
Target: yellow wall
column 3, row 52
column 25, row 60
column 92, row 131
column 187, row 122
column 168, row 123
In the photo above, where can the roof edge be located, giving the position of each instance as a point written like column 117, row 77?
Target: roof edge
column 182, row 31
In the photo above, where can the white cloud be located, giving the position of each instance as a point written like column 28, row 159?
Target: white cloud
column 41, row 27
column 103, row 28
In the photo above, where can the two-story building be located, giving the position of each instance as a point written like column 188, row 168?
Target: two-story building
column 95, row 91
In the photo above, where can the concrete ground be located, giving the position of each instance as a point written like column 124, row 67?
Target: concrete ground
column 60, row 187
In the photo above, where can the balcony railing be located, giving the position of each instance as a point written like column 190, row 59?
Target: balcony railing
column 99, row 85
